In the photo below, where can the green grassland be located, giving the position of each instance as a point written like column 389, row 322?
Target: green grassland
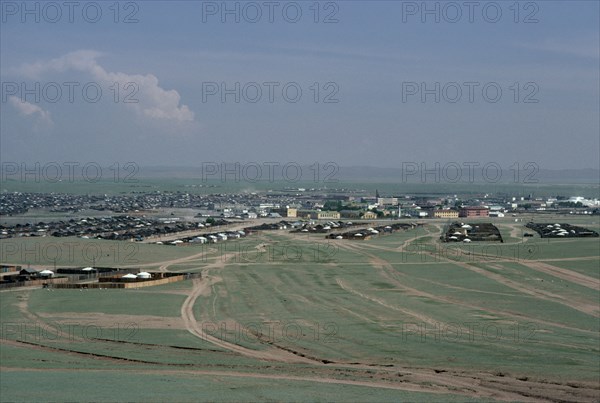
column 77, row 252
column 132, row 385
column 588, row 268
column 391, row 303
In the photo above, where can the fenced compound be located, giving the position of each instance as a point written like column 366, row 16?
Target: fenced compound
column 33, row 283
column 119, row 282
column 478, row 232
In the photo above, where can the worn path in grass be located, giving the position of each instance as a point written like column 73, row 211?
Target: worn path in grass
column 564, row 274
column 477, row 385
column 468, row 383
column 200, row 287
column 389, row 273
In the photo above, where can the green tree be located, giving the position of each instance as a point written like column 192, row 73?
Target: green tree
column 333, row 205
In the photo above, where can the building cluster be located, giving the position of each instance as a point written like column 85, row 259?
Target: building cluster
column 206, row 237
column 139, row 215
column 548, row 230
column 368, row 233
column 111, row 227
column 15, row 203
column 87, row 277
column 462, row 232
column 297, row 226
column 11, row 276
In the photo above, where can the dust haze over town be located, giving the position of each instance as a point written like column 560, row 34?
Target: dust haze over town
column 300, row 200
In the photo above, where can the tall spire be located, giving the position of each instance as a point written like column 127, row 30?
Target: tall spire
column 377, row 193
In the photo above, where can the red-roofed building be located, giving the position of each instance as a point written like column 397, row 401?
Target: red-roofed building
column 473, row 211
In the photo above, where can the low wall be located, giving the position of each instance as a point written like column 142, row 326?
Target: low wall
column 33, row 283
column 133, row 284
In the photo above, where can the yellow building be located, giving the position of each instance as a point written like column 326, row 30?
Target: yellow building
column 318, row 215
column 369, row 215
column 445, row 214
column 328, row 215
column 292, row 212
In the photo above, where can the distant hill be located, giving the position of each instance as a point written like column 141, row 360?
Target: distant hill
column 413, row 174
column 410, row 174
column 328, row 173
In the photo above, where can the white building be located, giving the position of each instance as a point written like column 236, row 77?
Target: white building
column 584, row 201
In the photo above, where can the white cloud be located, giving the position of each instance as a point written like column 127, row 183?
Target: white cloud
column 148, row 97
column 81, row 60
column 28, row 109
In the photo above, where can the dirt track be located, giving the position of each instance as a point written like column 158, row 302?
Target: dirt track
column 196, row 329
column 564, row 274
column 480, row 385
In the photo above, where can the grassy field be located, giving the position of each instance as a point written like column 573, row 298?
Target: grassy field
column 397, row 317
column 77, row 252
column 215, row 387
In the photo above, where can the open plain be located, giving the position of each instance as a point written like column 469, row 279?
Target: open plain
column 396, row 317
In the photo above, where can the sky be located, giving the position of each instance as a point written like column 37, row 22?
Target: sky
column 377, row 83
